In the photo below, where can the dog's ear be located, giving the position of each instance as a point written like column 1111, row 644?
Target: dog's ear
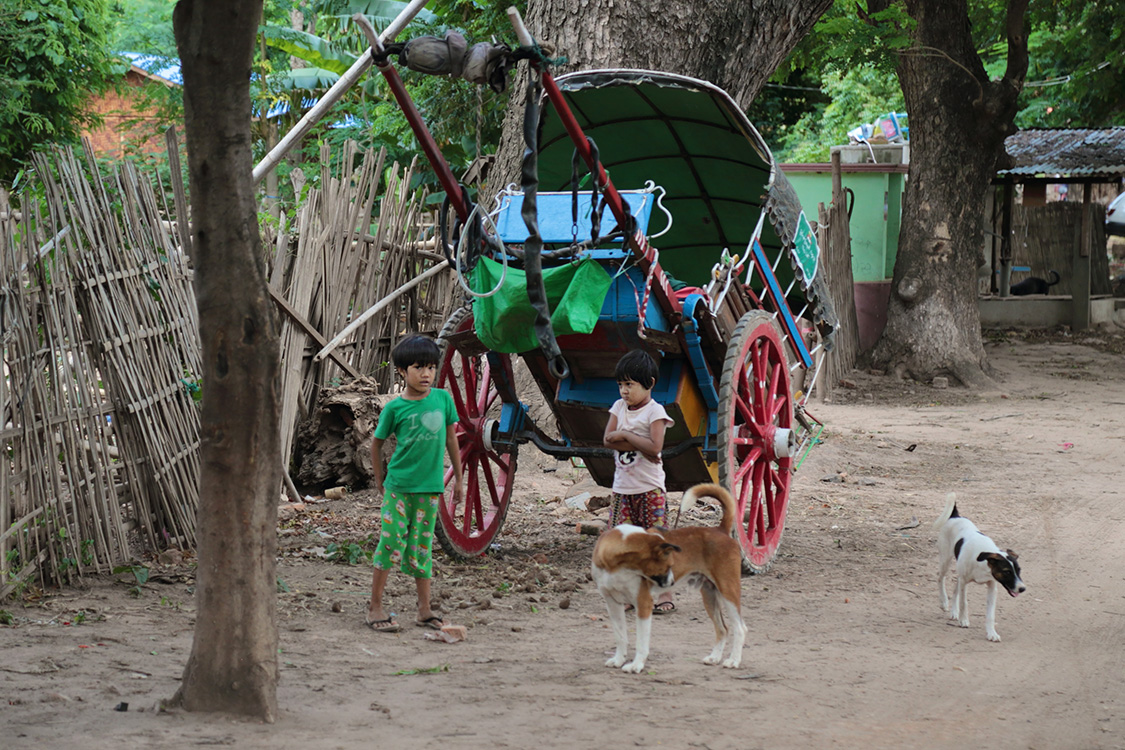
column 667, row 548
column 989, row 556
column 1013, row 555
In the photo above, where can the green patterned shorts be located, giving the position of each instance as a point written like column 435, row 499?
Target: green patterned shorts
column 407, row 536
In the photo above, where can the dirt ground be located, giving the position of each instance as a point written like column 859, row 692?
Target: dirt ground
column 847, row 647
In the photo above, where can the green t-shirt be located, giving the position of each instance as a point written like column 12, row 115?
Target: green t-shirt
column 418, row 464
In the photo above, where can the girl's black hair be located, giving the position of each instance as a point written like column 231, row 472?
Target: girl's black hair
column 415, row 349
column 639, row 367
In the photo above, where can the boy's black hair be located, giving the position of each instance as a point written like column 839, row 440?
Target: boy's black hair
column 415, row 349
column 638, row 366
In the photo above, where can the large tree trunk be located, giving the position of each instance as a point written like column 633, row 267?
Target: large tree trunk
column 958, row 122
column 734, row 44
column 233, row 662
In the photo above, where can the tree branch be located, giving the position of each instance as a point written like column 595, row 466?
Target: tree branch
column 1016, row 71
column 925, row 51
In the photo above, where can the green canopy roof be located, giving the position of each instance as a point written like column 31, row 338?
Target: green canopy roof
column 689, row 137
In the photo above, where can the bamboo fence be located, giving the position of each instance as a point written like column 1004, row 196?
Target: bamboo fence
column 100, row 431
column 352, row 252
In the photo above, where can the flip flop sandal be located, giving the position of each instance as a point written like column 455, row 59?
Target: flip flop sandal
column 663, row 608
column 383, row 626
column 433, row 623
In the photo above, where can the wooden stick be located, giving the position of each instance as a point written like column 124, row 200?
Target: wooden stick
column 307, row 327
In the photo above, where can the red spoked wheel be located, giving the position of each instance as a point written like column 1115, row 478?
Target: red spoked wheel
column 756, row 439
column 467, row 531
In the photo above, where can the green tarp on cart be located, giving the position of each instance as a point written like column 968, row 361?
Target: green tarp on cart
column 505, row 321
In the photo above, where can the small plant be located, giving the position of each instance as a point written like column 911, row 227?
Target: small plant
column 134, row 592
column 352, row 552
column 6, row 617
column 504, row 588
column 86, row 551
column 140, row 573
column 423, row 670
column 79, row 617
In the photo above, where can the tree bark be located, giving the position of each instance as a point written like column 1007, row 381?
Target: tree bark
column 734, row 44
column 233, row 663
column 958, row 122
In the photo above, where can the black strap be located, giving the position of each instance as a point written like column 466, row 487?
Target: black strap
column 533, row 247
column 595, row 209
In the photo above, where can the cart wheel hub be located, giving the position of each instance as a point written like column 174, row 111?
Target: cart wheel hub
column 783, row 442
column 487, row 427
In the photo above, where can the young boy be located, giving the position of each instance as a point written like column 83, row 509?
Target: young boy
column 636, row 431
column 421, row 419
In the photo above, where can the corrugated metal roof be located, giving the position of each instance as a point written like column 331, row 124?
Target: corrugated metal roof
column 165, row 68
column 1073, row 152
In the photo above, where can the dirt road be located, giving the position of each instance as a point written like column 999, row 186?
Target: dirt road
column 847, row 645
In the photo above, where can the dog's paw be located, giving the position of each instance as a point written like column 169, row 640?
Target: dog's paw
column 615, row 661
column 963, row 623
column 634, row 667
column 993, row 636
column 732, row 663
column 712, row 658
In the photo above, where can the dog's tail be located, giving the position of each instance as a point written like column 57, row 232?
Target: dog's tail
column 1054, row 280
column 950, row 510
column 730, row 509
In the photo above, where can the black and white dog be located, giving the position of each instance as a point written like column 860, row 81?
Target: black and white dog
column 978, row 560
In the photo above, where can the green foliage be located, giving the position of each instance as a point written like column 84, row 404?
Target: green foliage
column 194, row 387
column 138, row 571
column 847, row 38
column 1075, row 78
column 6, row 617
column 1077, row 70
column 352, row 552
column 53, row 57
column 856, row 96
column 323, row 54
column 143, row 26
column 465, row 120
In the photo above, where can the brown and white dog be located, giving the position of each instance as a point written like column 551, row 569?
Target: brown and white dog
column 630, row 563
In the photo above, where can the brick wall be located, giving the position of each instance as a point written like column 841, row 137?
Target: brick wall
column 116, row 108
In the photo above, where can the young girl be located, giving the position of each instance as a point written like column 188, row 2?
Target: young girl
column 636, row 432
column 421, row 419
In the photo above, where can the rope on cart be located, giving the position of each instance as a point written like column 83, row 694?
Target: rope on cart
column 642, row 306
column 495, row 242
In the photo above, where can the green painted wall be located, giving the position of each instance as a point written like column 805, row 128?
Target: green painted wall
column 876, row 215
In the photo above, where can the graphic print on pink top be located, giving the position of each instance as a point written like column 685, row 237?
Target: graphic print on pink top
column 634, row 472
